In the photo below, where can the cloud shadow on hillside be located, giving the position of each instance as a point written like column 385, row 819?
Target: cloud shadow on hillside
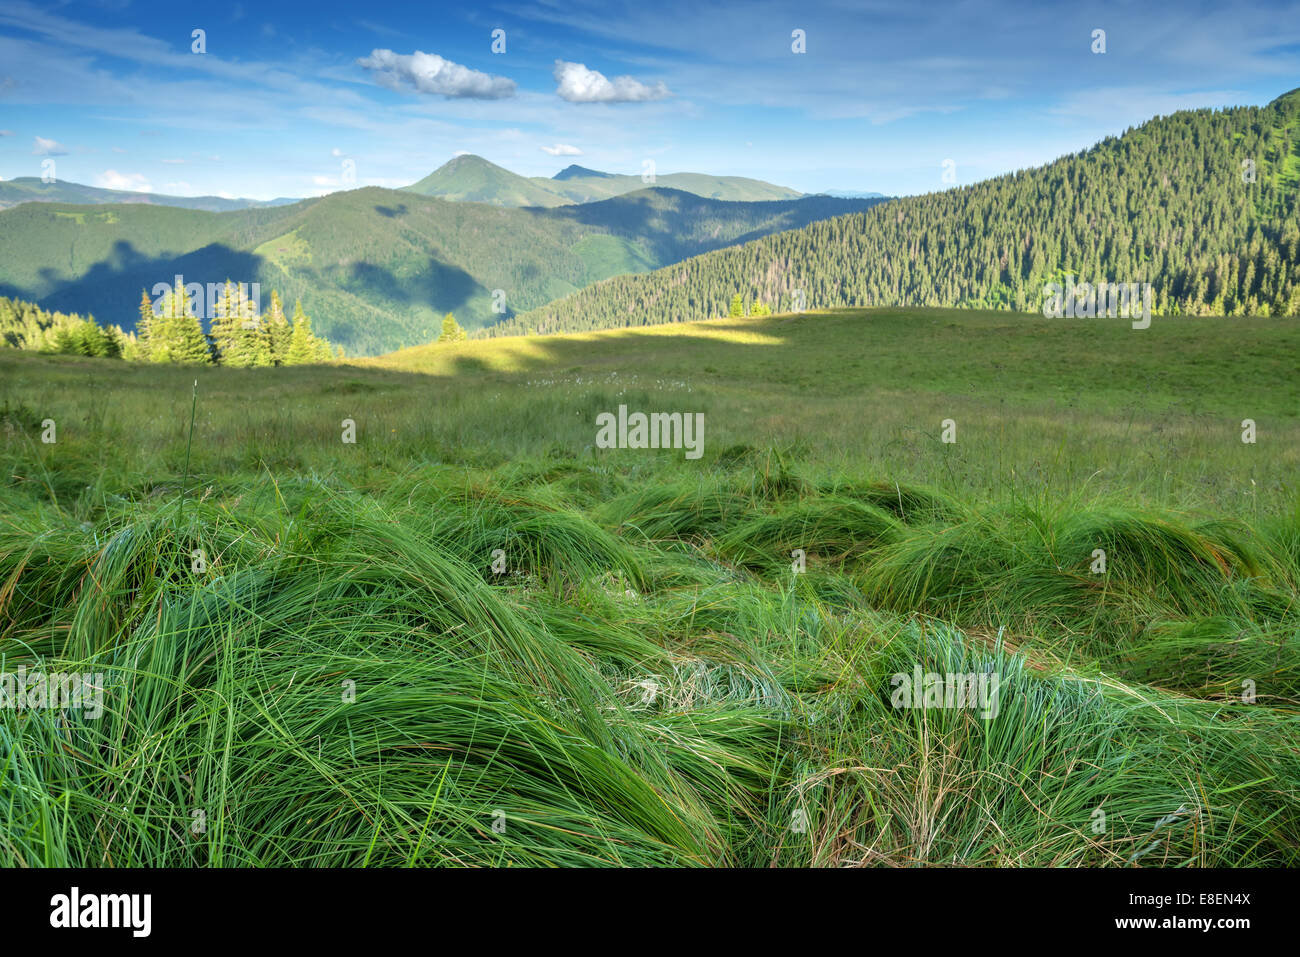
column 116, row 282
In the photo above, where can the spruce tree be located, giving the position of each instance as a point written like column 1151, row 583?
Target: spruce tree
column 225, row 325
column 191, row 346
column 451, row 330
column 302, row 344
column 276, row 331
column 144, row 324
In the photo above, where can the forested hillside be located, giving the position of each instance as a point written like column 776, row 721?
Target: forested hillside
column 378, row 268
column 25, row 325
column 1201, row 204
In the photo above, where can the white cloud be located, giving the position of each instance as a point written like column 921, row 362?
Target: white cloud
column 577, row 84
column 118, row 149
column 336, row 152
column 43, row 147
column 6, row 132
column 562, row 149
column 174, row 162
column 430, row 73
column 133, row 182
column 181, row 187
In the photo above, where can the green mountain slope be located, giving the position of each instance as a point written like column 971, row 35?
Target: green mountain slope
column 29, row 189
column 1175, row 202
column 584, row 186
column 375, row 268
column 473, row 179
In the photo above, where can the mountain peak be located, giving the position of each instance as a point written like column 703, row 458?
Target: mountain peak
column 468, row 161
column 581, row 172
column 473, row 179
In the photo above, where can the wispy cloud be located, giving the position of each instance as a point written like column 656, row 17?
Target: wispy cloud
column 43, row 147
column 132, row 182
column 562, row 149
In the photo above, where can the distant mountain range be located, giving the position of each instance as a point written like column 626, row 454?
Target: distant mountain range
column 849, row 194
column 29, row 189
column 470, row 178
column 375, row 268
column 465, row 178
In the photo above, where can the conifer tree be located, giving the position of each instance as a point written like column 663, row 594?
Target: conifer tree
column 144, row 324
column 451, row 330
column 177, row 335
column 276, row 330
column 225, row 325
column 302, row 344
column 192, row 343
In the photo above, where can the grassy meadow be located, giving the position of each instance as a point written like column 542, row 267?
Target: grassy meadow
column 472, row 637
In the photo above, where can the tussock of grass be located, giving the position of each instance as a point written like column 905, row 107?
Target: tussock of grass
column 630, row 698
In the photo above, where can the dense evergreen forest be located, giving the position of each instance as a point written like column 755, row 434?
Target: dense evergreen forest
column 1201, row 204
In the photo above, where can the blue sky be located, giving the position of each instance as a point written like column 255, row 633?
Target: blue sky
column 291, row 97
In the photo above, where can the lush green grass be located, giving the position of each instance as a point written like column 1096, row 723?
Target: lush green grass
column 648, row 681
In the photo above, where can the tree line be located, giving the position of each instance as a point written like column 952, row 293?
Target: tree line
column 172, row 332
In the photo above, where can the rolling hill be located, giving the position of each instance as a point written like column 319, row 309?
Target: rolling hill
column 470, row 178
column 31, row 189
column 473, row 179
column 1201, row 204
column 375, row 268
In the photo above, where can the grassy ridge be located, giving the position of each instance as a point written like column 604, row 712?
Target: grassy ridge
column 470, row 178
column 647, row 682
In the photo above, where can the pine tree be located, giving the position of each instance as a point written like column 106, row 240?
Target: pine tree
column 225, row 325
column 276, row 330
column 144, row 324
column 451, row 330
column 177, row 336
column 246, row 336
column 737, row 306
column 191, row 345
column 302, row 344
column 257, row 343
